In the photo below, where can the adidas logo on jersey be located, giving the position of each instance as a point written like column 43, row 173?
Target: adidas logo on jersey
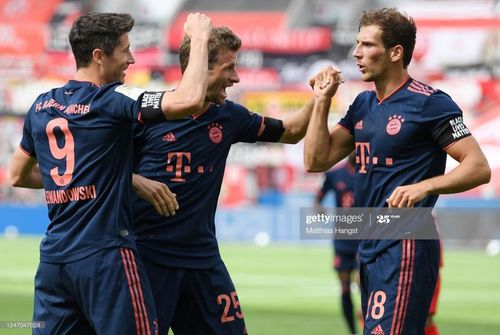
column 169, row 137
column 377, row 331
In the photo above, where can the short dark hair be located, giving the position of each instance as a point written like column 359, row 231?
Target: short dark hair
column 397, row 29
column 97, row 31
column 220, row 38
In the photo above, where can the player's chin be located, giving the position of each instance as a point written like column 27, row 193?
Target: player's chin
column 366, row 77
column 219, row 100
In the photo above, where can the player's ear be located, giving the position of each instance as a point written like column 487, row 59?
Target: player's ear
column 98, row 56
column 396, row 52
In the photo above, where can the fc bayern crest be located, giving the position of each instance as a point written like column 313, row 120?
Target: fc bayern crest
column 215, row 133
column 394, row 124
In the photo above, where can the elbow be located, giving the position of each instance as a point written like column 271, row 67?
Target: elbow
column 294, row 136
column 15, row 180
column 195, row 105
column 291, row 139
column 312, row 165
column 485, row 174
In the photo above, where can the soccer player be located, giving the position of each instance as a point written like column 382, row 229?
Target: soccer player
column 341, row 182
column 77, row 145
column 192, row 287
column 402, row 132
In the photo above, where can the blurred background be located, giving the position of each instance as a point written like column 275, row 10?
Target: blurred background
column 265, row 185
column 284, row 43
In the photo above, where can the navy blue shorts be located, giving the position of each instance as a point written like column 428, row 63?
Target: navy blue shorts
column 397, row 288
column 106, row 293
column 194, row 301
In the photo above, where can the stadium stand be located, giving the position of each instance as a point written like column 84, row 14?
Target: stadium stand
column 284, row 41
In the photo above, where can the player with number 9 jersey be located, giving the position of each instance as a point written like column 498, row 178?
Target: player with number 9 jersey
column 77, row 145
column 81, row 135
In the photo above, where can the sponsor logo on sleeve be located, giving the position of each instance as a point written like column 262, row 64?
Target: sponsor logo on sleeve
column 459, row 129
column 151, row 100
column 129, row 91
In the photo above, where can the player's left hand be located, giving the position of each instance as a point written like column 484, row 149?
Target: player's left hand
column 157, row 193
column 408, row 195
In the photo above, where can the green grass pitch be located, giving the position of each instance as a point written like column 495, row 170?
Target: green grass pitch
column 290, row 289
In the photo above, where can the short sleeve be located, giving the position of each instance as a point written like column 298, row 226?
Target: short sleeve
column 443, row 118
column 125, row 100
column 27, row 144
column 248, row 125
column 349, row 120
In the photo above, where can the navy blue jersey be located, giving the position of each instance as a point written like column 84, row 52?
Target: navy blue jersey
column 400, row 141
column 189, row 156
column 81, row 135
column 341, row 182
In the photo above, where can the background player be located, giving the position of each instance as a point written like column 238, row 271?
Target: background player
column 192, row 287
column 402, row 133
column 89, row 279
column 341, row 182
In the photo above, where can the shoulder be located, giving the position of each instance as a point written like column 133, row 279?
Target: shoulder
column 236, row 110
column 364, row 96
column 431, row 101
column 426, row 93
column 124, row 91
column 233, row 106
column 420, row 89
column 362, row 101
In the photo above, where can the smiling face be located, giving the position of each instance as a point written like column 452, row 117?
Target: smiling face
column 115, row 65
column 372, row 58
column 223, row 74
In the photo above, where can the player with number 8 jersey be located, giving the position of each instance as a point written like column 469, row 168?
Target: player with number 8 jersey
column 77, row 145
column 402, row 133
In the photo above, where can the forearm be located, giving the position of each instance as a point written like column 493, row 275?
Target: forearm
column 31, row 177
column 317, row 142
column 189, row 97
column 466, row 176
column 296, row 124
column 34, row 179
column 472, row 171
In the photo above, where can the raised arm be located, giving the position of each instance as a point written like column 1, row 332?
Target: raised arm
column 472, row 171
column 323, row 149
column 188, row 98
column 295, row 126
column 24, row 171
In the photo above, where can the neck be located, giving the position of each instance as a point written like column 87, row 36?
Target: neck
column 386, row 86
column 89, row 75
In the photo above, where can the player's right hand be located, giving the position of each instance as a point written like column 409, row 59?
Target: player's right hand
column 326, row 82
column 198, row 25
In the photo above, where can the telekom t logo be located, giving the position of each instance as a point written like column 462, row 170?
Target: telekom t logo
column 362, row 155
column 180, row 167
